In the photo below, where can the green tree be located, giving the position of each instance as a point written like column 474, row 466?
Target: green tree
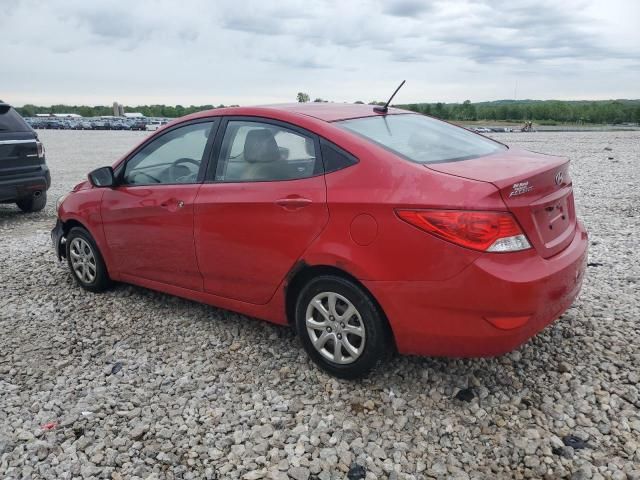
column 303, row 97
column 468, row 111
column 439, row 111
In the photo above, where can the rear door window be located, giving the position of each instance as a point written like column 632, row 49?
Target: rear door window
column 254, row 151
column 11, row 121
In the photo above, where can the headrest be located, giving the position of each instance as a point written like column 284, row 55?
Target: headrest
column 261, row 146
column 309, row 147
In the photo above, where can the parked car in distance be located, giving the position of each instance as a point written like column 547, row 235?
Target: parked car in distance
column 153, row 125
column 368, row 230
column 24, row 175
column 54, row 125
column 139, row 125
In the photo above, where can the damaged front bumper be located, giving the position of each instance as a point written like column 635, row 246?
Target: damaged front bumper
column 58, row 239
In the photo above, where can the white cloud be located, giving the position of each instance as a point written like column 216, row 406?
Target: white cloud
column 196, row 52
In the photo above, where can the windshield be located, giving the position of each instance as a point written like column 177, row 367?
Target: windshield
column 422, row 139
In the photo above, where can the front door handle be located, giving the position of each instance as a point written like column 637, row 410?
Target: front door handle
column 172, row 204
column 293, row 203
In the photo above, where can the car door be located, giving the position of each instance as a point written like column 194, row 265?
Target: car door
column 262, row 205
column 148, row 217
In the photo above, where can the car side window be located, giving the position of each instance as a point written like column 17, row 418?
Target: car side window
column 173, row 158
column 257, row 151
column 335, row 158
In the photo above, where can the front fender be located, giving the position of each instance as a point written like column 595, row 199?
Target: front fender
column 83, row 208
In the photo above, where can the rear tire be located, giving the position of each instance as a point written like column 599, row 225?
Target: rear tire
column 32, row 203
column 341, row 328
column 85, row 261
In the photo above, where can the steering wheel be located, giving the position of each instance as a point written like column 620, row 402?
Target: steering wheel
column 174, row 171
column 156, row 180
column 186, row 160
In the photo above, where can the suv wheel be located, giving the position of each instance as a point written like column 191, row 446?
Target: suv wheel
column 341, row 328
column 85, row 261
column 33, row 203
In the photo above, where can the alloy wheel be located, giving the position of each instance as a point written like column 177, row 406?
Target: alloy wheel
column 335, row 328
column 83, row 260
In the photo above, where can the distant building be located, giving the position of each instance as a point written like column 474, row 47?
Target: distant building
column 58, row 115
column 118, row 110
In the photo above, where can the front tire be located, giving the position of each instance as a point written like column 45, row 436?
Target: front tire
column 32, row 203
column 341, row 328
column 85, row 261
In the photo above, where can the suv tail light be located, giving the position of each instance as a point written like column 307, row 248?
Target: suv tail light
column 484, row 231
column 40, row 147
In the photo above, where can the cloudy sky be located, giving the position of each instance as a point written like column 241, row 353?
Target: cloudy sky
column 252, row 52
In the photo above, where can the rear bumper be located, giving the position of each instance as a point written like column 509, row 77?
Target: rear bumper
column 490, row 308
column 23, row 185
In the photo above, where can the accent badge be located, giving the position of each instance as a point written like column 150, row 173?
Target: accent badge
column 520, row 188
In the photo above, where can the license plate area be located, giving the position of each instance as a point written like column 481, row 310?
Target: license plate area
column 554, row 219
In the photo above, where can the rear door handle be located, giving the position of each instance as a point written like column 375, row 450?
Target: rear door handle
column 293, row 203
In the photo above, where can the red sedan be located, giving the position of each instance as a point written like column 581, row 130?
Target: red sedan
column 367, row 230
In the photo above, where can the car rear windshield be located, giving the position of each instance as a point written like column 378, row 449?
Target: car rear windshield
column 422, row 139
column 11, row 121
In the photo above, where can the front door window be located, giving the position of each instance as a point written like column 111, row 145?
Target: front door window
column 173, row 158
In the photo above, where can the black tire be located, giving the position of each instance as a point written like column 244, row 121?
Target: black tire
column 377, row 343
column 97, row 280
column 32, row 204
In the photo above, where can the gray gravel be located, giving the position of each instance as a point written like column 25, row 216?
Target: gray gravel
column 136, row 384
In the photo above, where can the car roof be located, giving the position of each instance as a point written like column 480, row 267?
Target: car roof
column 331, row 112
column 328, row 112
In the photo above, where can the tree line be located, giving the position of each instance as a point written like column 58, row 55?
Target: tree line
column 540, row 111
column 168, row 111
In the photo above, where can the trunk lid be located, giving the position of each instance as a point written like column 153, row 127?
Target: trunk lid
column 535, row 187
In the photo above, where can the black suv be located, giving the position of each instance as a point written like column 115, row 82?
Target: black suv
column 24, row 175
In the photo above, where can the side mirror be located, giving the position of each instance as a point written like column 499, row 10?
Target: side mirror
column 102, row 177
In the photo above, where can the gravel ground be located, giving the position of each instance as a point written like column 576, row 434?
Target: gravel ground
column 136, row 384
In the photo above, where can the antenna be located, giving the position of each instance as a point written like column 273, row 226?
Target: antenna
column 385, row 109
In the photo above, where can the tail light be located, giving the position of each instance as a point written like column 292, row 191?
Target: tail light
column 40, row 147
column 484, row 231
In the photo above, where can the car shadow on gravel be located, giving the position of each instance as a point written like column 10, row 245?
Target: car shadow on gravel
column 511, row 374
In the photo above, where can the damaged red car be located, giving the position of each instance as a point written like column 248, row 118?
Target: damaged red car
column 369, row 230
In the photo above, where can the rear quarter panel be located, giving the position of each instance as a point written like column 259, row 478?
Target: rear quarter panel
column 378, row 185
